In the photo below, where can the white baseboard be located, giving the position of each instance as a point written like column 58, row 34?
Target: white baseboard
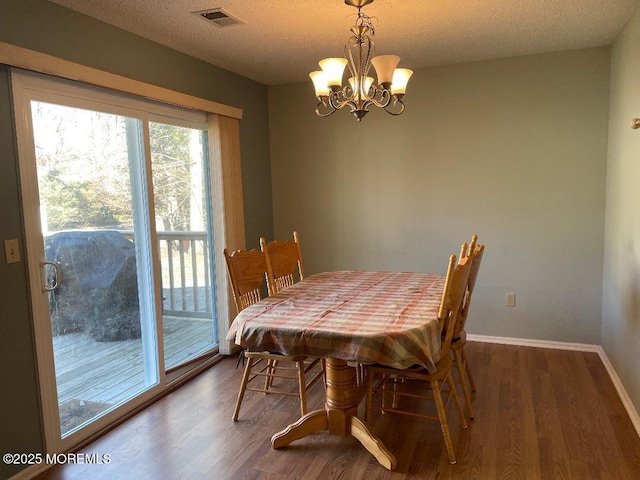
column 525, row 342
column 624, row 396
column 580, row 347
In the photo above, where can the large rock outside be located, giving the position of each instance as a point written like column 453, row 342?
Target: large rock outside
column 98, row 291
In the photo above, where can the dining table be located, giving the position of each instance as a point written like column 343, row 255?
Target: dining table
column 348, row 318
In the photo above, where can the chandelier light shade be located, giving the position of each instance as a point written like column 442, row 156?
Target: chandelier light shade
column 401, row 77
column 361, row 91
column 333, row 69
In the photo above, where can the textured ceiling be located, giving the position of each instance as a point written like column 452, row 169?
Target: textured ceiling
column 282, row 40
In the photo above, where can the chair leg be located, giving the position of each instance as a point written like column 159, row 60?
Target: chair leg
column 243, row 386
column 396, row 398
column 369, row 403
column 468, row 370
column 359, row 374
column 271, row 370
column 456, row 400
column 435, row 385
column 457, row 354
column 240, row 358
column 383, row 384
column 323, row 363
column 303, row 387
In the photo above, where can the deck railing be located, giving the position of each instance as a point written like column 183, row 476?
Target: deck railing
column 186, row 279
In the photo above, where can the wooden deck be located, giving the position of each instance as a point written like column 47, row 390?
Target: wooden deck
column 110, row 372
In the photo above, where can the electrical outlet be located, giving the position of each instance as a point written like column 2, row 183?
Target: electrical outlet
column 12, row 251
column 510, row 300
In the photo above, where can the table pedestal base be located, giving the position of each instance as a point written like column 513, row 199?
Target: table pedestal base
column 339, row 416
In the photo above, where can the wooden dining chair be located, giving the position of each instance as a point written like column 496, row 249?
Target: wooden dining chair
column 474, row 252
column 418, row 383
column 284, row 262
column 247, row 273
column 284, row 268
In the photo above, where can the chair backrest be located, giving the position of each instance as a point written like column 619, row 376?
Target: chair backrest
column 476, row 260
column 452, row 298
column 247, row 271
column 284, row 262
column 468, row 249
column 442, row 312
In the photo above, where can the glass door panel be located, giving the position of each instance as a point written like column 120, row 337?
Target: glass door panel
column 181, row 197
column 90, row 169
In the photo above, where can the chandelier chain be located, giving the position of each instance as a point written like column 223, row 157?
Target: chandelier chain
column 364, row 20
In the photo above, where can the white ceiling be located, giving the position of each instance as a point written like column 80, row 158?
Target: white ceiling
column 282, row 40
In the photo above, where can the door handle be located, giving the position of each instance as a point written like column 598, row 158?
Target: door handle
column 45, row 285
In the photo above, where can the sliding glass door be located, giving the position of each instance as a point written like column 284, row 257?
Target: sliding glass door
column 118, row 228
column 183, row 229
column 99, row 281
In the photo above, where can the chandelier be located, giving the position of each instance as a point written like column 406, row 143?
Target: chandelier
column 361, row 92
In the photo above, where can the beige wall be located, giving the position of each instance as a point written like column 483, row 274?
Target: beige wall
column 621, row 285
column 513, row 149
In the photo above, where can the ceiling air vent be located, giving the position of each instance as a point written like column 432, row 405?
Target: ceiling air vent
column 218, row 17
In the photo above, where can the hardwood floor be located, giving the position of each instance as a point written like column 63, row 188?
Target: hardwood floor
column 540, row 413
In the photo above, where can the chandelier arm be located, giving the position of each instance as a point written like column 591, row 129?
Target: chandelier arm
column 394, row 103
column 348, row 54
column 341, row 98
column 349, row 103
column 324, row 109
column 325, row 114
column 380, row 97
column 371, row 50
column 345, row 94
column 360, row 70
